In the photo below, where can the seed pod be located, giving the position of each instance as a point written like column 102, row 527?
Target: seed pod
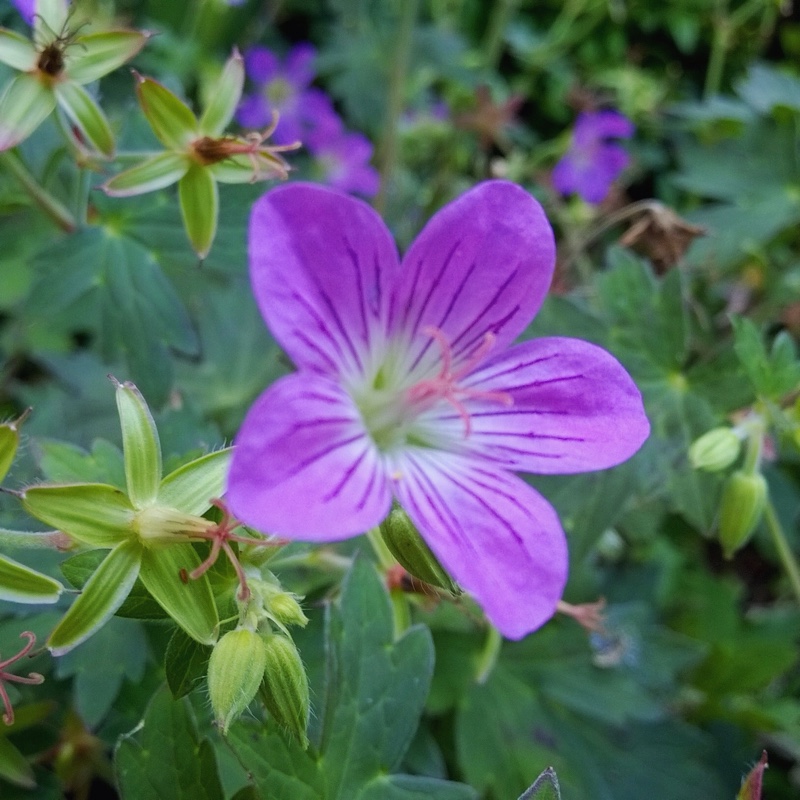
column 235, row 670
column 743, row 499
column 715, row 450
column 285, row 686
column 411, row 552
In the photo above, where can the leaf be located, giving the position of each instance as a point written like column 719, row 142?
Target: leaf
column 63, row 462
column 545, row 787
column 14, row 767
column 185, row 663
column 163, row 758
column 376, row 688
column 774, row 373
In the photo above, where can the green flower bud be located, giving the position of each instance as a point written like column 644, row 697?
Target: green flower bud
column 285, row 686
column 715, row 450
column 284, row 608
column 235, row 670
column 411, row 552
column 743, row 501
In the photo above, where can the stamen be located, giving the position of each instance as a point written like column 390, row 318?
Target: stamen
column 445, row 385
column 32, row 678
column 220, row 536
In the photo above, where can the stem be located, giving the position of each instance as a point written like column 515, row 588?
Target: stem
column 784, row 551
column 488, row 656
column 719, row 52
column 53, row 208
column 82, row 188
column 388, row 150
column 498, row 22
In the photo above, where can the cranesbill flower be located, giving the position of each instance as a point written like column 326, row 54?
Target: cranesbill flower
column 282, row 87
column 26, row 8
column 408, row 389
column 593, row 162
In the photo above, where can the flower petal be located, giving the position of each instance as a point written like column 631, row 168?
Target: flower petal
column 482, row 264
column 304, row 466
column 574, row 409
column 497, row 537
column 321, row 265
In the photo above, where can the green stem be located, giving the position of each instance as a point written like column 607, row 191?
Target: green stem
column 784, row 551
column 83, row 186
column 498, row 22
column 53, row 208
column 489, row 655
column 719, row 52
column 388, row 150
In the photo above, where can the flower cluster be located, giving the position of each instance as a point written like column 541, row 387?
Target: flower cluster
column 305, row 113
column 593, row 162
column 408, row 390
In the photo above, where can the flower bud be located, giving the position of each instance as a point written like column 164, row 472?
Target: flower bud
column 235, row 670
column 743, row 501
column 285, row 609
column 411, row 552
column 715, row 450
column 285, row 687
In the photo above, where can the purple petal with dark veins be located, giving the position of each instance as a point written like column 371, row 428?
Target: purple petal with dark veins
column 321, row 264
column 304, row 466
column 482, row 264
column 573, row 408
column 497, row 537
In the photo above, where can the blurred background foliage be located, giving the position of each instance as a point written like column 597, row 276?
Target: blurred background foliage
column 697, row 667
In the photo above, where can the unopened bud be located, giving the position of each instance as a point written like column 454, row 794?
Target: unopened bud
column 285, row 609
column 235, row 670
column 285, row 687
column 411, row 552
column 715, row 450
column 743, row 499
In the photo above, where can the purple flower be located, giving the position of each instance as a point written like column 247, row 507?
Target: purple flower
column 343, row 158
column 592, row 162
column 283, row 87
column 408, row 389
column 26, row 8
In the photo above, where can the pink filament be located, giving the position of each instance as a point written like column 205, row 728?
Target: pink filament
column 32, row 678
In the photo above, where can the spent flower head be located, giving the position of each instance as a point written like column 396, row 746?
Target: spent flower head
column 593, row 161
column 198, row 154
column 54, row 65
column 408, row 389
column 6, row 676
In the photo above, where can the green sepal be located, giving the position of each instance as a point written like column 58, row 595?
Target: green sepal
column 24, row 105
column 14, row 767
column 249, row 168
column 97, row 54
column 225, row 96
column 17, row 51
column 545, row 787
column 102, row 595
column 49, row 20
column 190, row 488
column 151, row 175
column 189, row 603
column 9, row 442
column 87, row 116
column 141, row 447
column 93, row 513
column 21, row 584
column 199, row 201
column 170, row 118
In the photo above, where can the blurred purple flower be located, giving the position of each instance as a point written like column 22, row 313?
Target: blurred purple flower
column 592, row 162
column 26, row 8
column 284, row 87
column 343, row 158
column 408, row 388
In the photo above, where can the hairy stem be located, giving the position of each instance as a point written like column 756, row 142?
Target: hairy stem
column 782, row 546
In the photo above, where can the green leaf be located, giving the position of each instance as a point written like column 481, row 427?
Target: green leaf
column 190, row 604
column 101, row 597
column 63, row 462
column 84, row 113
column 97, row 54
column 14, row 767
column 24, row 105
column 376, row 689
column 225, row 96
column 21, row 584
column 199, row 201
column 774, row 373
column 545, row 787
column 170, row 118
column 140, row 445
column 190, row 488
column 164, row 758
column 94, row 513
column 185, row 663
